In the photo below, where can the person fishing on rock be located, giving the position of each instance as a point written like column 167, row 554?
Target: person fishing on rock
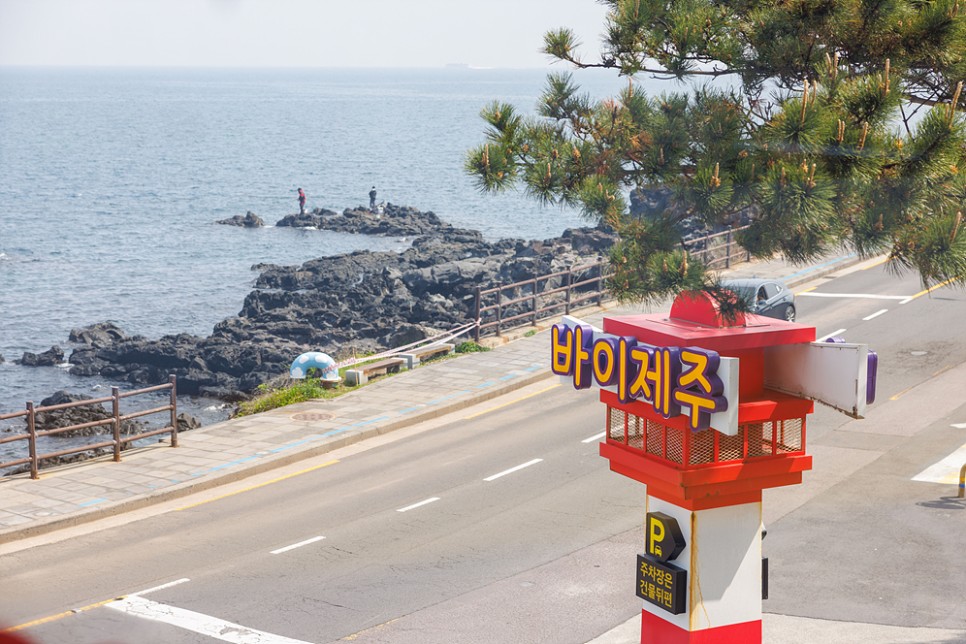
column 301, row 202
column 372, row 198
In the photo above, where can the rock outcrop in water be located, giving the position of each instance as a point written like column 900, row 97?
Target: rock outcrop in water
column 249, row 220
column 49, row 358
column 359, row 302
column 388, row 221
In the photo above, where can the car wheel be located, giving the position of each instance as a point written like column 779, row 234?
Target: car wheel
column 790, row 313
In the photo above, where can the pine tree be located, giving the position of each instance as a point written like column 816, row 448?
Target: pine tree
column 837, row 126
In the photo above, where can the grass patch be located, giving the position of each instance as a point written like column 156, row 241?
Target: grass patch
column 469, row 347
column 274, row 396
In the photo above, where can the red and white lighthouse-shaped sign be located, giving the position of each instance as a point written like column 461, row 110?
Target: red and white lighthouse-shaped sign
column 707, row 413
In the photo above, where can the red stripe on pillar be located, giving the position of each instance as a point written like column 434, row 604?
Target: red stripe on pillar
column 655, row 630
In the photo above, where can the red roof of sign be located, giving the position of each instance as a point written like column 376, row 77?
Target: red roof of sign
column 694, row 320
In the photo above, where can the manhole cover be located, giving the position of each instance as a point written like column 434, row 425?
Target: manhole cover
column 311, row 417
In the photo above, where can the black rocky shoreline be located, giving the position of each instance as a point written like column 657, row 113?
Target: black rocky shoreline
column 342, row 305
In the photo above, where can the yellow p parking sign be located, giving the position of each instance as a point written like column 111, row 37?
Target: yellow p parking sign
column 665, row 540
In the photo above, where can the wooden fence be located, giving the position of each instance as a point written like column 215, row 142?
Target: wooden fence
column 117, row 440
column 528, row 301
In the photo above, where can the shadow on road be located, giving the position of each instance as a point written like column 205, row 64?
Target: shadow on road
column 945, row 503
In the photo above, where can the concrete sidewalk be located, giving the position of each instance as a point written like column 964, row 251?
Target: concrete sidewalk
column 234, row 449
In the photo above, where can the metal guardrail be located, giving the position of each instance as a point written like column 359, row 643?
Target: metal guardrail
column 539, row 298
column 117, row 441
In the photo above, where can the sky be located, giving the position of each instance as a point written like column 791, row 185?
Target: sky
column 290, row 33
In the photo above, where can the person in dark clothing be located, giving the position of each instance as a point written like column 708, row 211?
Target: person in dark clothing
column 372, row 198
column 301, row 202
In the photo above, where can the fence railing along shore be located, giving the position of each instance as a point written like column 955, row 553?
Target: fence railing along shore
column 117, row 440
column 525, row 302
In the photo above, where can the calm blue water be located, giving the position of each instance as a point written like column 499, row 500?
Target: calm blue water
column 110, row 181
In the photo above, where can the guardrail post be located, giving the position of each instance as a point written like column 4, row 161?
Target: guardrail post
column 534, row 322
column 600, row 284
column 570, row 286
column 728, row 250
column 173, row 379
column 479, row 304
column 32, row 441
column 499, row 310
column 116, row 407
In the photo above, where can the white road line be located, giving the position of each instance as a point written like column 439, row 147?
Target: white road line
column 161, row 587
column 859, row 296
column 874, row 315
column 946, row 470
column 513, row 469
column 594, row 438
column 417, row 505
column 826, row 337
column 197, row 622
column 297, row 545
column 958, row 425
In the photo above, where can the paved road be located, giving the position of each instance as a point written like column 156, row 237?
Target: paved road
column 420, row 547
column 427, row 519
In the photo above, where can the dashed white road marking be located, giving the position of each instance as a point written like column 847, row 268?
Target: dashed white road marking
column 197, row 622
column 418, row 505
column 594, row 438
column 829, row 335
column 161, row 587
column 958, row 425
column 857, row 296
column 297, row 545
column 513, row 469
column 874, row 315
column 946, row 470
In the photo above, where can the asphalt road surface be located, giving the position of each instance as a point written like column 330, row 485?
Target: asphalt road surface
column 502, row 523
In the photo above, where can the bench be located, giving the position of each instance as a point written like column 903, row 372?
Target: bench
column 330, row 383
column 361, row 374
column 416, row 356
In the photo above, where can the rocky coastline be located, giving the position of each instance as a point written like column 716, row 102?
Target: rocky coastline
column 342, row 305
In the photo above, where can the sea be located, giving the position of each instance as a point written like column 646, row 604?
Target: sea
column 111, row 181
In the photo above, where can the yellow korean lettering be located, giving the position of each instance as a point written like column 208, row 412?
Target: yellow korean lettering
column 701, row 407
column 604, row 358
column 562, row 349
column 697, row 374
column 640, row 388
column 583, row 336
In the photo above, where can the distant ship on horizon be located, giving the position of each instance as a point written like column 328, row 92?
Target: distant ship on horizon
column 464, row 66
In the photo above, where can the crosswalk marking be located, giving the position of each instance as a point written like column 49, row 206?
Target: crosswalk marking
column 197, row 622
column 945, row 471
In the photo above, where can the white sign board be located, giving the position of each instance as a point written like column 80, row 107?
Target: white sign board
column 831, row 373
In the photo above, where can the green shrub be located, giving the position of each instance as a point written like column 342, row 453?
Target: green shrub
column 470, row 347
column 298, row 391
